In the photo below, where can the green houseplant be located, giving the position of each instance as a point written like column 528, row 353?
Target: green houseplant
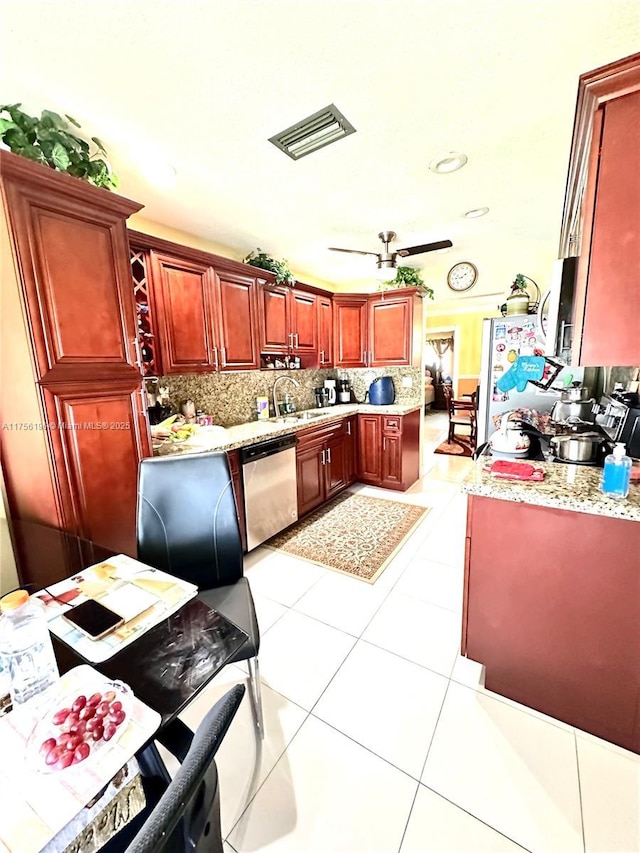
column 408, row 277
column 50, row 140
column 263, row 261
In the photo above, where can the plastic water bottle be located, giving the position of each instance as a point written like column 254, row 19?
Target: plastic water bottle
column 26, row 650
column 617, row 474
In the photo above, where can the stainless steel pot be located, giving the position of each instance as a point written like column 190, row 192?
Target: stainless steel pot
column 577, row 448
column 583, row 410
column 575, row 394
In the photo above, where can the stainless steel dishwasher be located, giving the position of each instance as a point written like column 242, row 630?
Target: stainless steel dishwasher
column 270, row 488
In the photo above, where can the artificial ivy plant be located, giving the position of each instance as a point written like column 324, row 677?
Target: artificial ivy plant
column 408, row 277
column 266, row 262
column 49, row 140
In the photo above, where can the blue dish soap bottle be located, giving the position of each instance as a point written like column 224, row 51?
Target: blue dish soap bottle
column 617, row 474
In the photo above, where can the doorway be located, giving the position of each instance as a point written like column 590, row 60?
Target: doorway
column 441, row 361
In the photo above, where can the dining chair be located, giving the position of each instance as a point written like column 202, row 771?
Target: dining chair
column 183, row 814
column 462, row 413
column 187, row 525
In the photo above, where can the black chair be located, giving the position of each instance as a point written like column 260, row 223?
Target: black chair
column 183, row 813
column 187, row 525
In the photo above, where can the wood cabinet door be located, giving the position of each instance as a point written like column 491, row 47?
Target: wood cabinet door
column 390, row 331
column 310, row 465
column 325, row 332
column 275, row 331
column 237, row 322
column 185, row 291
column 351, row 449
column 391, row 465
column 370, row 447
column 100, row 435
column 303, row 319
column 73, row 260
column 612, row 308
column 350, row 331
column 336, row 466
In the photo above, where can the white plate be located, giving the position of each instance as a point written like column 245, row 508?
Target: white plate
column 48, row 727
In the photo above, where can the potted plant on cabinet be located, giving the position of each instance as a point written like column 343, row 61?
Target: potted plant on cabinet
column 49, row 140
column 408, row 277
column 263, row 261
column 518, row 300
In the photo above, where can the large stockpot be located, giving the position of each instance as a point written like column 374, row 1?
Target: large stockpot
column 583, row 410
column 583, row 447
column 575, row 394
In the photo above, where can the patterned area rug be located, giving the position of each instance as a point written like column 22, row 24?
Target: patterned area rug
column 454, row 448
column 354, row 534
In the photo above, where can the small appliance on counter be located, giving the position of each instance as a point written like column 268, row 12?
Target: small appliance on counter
column 344, row 391
column 322, row 397
column 382, row 391
column 620, row 422
column 330, row 386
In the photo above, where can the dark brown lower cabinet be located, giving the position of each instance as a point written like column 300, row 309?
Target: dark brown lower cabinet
column 322, row 461
column 389, row 450
column 551, row 608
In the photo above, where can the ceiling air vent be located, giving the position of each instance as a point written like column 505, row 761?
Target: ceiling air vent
column 322, row 128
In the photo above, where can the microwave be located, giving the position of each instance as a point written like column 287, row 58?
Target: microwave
column 555, row 314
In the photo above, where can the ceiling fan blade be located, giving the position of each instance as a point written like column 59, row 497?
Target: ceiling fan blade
column 352, row 251
column 426, row 247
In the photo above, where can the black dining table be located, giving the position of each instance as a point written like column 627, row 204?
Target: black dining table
column 167, row 666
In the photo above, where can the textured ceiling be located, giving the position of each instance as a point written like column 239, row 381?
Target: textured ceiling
column 203, row 85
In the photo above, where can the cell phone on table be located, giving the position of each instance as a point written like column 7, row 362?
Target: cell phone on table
column 93, row 619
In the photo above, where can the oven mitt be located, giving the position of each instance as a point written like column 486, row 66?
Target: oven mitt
column 526, row 368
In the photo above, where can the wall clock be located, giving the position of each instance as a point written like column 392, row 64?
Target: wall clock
column 462, row 276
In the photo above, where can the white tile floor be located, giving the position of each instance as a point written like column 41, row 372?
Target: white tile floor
column 380, row 737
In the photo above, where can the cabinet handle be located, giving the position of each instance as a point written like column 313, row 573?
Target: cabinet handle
column 136, row 346
column 370, row 362
column 321, row 356
column 364, row 357
column 324, row 461
column 290, row 336
column 215, row 355
column 223, row 356
column 384, row 443
column 329, row 455
column 297, row 341
column 348, row 427
column 143, row 409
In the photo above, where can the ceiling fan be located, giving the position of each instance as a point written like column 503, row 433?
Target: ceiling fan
column 386, row 262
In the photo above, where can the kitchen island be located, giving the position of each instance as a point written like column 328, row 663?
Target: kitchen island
column 552, row 596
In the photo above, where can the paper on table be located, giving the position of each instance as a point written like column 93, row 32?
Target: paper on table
column 125, row 585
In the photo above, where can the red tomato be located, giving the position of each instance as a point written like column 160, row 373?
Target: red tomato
column 82, row 752
column 109, row 731
column 65, row 760
column 94, row 699
column 47, row 745
column 98, row 732
column 79, row 703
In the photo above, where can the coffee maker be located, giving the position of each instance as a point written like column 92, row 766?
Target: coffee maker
column 322, row 397
column 344, row 391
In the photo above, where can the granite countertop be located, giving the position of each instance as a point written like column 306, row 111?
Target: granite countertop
column 565, row 486
column 256, row 431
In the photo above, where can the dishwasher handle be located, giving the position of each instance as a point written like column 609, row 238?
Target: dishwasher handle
column 266, row 448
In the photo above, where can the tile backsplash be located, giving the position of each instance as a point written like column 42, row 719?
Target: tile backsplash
column 231, row 397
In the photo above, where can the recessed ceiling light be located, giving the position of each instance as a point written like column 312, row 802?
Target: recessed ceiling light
column 477, row 211
column 159, row 172
column 446, row 163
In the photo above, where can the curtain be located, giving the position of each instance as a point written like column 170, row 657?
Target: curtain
column 441, row 345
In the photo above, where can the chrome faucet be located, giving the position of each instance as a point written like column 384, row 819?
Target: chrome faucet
column 275, row 395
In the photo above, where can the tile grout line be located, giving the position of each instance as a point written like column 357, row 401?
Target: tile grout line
column 475, row 817
column 575, row 742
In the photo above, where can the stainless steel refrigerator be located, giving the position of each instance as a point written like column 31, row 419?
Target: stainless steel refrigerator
column 503, row 340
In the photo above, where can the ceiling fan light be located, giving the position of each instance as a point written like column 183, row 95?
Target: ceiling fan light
column 386, row 271
column 450, row 162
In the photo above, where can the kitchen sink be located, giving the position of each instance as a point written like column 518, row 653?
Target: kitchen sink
column 298, row 416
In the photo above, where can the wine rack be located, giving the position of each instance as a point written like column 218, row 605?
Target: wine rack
column 146, row 337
